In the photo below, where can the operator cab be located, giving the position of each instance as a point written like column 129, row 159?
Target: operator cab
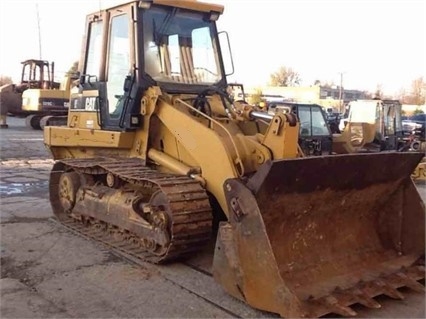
column 134, row 46
column 315, row 137
column 37, row 74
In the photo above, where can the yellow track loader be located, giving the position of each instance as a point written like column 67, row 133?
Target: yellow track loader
column 157, row 160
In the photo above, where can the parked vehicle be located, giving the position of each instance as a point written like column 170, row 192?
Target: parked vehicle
column 409, row 126
column 418, row 123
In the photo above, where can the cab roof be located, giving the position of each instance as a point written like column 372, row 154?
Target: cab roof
column 185, row 4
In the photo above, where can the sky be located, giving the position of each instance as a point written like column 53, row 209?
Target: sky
column 368, row 42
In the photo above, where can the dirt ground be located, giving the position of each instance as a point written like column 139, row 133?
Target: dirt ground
column 48, row 271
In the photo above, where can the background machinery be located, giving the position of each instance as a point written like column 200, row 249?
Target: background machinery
column 377, row 125
column 38, row 96
column 417, row 142
column 372, row 125
column 157, row 160
column 316, row 133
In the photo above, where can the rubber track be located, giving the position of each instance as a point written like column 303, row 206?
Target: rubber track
column 191, row 212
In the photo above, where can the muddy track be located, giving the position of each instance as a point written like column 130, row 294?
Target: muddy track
column 179, row 210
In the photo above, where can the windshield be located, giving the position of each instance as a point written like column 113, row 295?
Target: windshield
column 180, row 47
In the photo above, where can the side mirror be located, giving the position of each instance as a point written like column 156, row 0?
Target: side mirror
column 225, row 48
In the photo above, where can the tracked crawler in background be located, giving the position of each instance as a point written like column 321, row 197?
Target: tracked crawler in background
column 156, row 155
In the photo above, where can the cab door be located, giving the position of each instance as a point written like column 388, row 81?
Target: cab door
column 119, row 61
column 109, row 70
column 84, row 104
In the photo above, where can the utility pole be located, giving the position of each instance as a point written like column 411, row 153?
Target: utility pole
column 39, row 31
column 341, row 93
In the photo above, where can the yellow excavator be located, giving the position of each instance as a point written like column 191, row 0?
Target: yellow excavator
column 157, row 160
column 42, row 100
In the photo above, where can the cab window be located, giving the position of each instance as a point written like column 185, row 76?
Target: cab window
column 118, row 63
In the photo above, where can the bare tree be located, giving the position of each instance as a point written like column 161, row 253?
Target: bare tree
column 400, row 95
column 416, row 96
column 256, row 97
column 418, row 90
column 5, row 80
column 378, row 94
column 285, row 77
column 328, row 84
column 368, row 95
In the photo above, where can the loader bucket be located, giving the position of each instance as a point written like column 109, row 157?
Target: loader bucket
column 311, row 236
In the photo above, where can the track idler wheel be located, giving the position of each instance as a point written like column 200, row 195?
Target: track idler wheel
column 69, row 184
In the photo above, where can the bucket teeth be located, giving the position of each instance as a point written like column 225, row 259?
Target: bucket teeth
column 365, row 300
column 333, row 304
column 340, row 300
column 387, row 289
column 357, row 295
column 411, row 283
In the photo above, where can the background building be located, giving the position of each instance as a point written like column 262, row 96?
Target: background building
column 328, row 97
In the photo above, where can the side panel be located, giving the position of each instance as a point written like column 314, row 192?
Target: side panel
column 71, row 137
